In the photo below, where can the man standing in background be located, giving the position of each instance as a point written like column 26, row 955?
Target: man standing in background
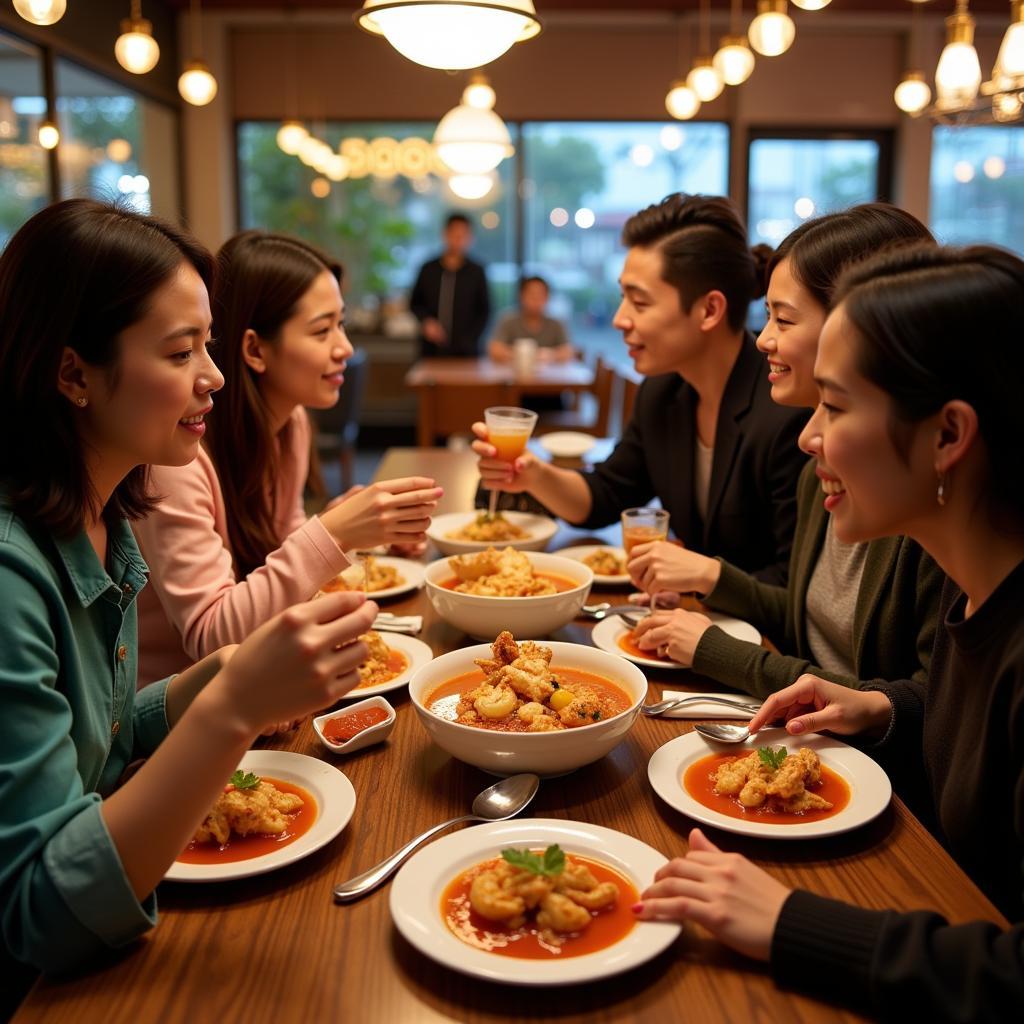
column 450, row 297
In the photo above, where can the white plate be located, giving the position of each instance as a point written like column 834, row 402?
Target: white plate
column 870, row 789
column 567, row 444
column 416, row 651
column 410, row 572
column 584, row 551
column 417, row 890
column 539, row 530
column 607, row 632
column 335, row 798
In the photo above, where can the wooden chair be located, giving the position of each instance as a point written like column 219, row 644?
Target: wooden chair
column 336, row 429
column 593, row 410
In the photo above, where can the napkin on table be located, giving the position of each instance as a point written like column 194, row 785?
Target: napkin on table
column 388, row 623
column 707, row 709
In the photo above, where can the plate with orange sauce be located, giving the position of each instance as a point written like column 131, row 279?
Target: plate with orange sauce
column 428, row 905
column 615, row 637
column 410, row 655
column 328, row 803
column 856, row 786
column 409, row 574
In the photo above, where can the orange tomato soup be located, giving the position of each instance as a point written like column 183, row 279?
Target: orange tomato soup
column 444, row 699
column 697, row 782
column 246, row 847
column 606, row 926
column 562, row 584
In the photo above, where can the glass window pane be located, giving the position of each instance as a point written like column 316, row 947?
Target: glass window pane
column 115, row 143
column 977, row 184
column 382, row 223
column 793, row 179
column 582, row 181
column 24, row 172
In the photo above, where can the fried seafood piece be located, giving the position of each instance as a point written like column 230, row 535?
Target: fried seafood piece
column 730, row 778
column 505, row 650
column 605, row 562
column 806, row 801
column 754, row 792
column 260, row 810
column 504, row 893
column 495, row 702
column 583, row 709
column 376, row 668
column 798, row 770
column 471, row 567
column 530, row 678
column 559, row 913
column 538, row 717
column 577, row 882
column 491, row 573
column 489, row 528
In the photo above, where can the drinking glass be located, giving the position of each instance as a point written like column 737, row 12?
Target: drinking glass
column 641, row 526
column 508, row 429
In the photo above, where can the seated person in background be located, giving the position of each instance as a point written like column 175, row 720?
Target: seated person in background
column 853, row 612
column 919, row 369
column 705, row 437
column 450, row 298
column 531, row 322
column 230, row 544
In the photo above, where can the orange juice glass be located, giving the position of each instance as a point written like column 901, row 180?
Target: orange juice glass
column 643, row 525
column 508, row 429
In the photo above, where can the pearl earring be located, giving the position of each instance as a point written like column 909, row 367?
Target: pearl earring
column 81, row 402
column 940, row 494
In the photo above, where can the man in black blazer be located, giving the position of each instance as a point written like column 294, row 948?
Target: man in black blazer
column 705, row 433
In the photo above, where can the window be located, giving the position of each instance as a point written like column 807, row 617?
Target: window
column 24, row 168
column 581, row 182
column 794, row 177
column 977, row 185
column 115, row 142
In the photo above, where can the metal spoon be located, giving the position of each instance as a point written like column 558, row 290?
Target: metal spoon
column 628, row 612
column 503, row 800
column 724, row 733
column 662, row 706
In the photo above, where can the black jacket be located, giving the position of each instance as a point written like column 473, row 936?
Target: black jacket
column 470, row 307
column 752, row 497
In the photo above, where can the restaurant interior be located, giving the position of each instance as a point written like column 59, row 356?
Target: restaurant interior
column 566, row 491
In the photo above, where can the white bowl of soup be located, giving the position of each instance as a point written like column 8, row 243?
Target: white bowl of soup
column 484, row 616
column 508, row 747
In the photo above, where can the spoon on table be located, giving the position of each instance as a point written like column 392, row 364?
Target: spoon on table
column 724, row 733
column 499, row 802
column 661, row 706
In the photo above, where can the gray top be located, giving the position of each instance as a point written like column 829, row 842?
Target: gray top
column 831, row 599
column 551, row 333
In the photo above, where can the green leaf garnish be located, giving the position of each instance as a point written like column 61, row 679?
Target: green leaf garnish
column 772, row 757
column 551, row 862
column 244, row 780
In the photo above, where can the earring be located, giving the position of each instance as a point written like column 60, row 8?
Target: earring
column 82, row 402
column 940, row 494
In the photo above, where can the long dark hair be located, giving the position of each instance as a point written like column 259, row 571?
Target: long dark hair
column 937, row 324
column 75, row 275
column 703, row 246
column 260, row 279
column 820, row 249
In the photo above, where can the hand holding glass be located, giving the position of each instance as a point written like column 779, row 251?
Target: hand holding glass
column 508, row 429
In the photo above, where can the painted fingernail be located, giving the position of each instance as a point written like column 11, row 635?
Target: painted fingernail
column 637, row 907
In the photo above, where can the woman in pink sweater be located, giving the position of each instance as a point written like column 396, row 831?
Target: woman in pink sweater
column 229, row 545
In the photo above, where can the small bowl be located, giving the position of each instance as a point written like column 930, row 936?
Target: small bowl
column 374, row 734
column 567, row 444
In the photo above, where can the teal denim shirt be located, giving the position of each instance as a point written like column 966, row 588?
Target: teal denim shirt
column 70, row 722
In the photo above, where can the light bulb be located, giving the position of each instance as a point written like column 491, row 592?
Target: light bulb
column 1010, row 62
column 479, row 94
column 48, row 135
column 682, row 102
column 704, row 80
column 136, row 50
column 119, row 151
column 196, row 85
column 1006, row 107
column 472, row 141
column 290, row 136
column 41, row 12
column 811, row 5
column 912, row 95
column 772, row 32
column 471, row 186
column 734, row 60
column 958, row 75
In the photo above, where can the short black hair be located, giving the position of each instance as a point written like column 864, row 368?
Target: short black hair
column 533, row 279
column 457, row 218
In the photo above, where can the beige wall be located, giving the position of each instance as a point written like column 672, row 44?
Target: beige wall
column 840, row 73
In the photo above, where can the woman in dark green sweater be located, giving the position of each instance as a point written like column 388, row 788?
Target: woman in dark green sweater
column 850, row 612
column 919, row 427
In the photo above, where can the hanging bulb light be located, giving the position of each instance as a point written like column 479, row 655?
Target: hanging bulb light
column 958, row 76
column 913, row 94
column 472, row 141
column 704, row 80
column 734, row 60
column 471, row 186
column 772, row 32
column 1006, row 107
column 136, row 50
column 811, row 5
column 48, row 135
column 290, row 136
column 479, row 94
column 1010, row 62
column 682, row 102
column 41, row 12
column 196, row 82
column 451, row 35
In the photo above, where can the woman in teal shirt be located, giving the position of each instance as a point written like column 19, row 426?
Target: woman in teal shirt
column 104, row 369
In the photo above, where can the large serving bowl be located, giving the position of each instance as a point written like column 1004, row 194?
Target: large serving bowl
column 539, row 531
column 544, row 753
column 485, row 617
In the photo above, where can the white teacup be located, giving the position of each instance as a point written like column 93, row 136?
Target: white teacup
column 524, row 356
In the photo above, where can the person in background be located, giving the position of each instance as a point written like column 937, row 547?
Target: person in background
column 531, row 321
column 104, row 370
column 705, row 437
column 230, row 544
column 851, row 612
column 450, row 298
column 918, row 430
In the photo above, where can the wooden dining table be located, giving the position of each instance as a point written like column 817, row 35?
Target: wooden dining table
column 452, row 393
column 277, row 949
